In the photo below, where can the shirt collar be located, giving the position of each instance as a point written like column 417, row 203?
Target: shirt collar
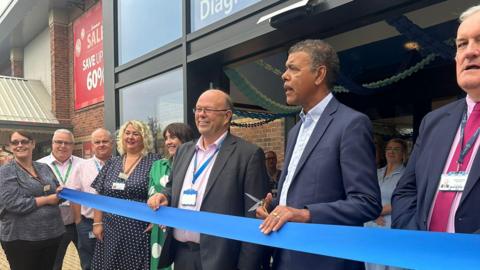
column 317, row 110
column 99, row 161
column 470, row 104
column 199, row 145
column 54, row 160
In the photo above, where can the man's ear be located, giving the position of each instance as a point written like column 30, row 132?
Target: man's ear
column 321, row 75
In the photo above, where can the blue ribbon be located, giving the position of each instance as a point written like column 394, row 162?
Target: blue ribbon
column 402, row 248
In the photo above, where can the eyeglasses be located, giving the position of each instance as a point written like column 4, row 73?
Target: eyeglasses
column 208, row 110
column 22, row 142
column 394, row 149
column 60, row 142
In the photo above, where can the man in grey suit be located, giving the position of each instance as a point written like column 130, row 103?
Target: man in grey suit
column 329, row 175
column 213, row 174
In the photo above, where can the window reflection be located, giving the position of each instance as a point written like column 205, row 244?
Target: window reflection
column 147, row 25
column 160, row 98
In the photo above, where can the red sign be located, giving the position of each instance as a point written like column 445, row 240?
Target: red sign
column 88, row 58
column 87, row 149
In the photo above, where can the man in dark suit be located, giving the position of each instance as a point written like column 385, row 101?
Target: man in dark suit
column 213, row 174
column 440, row 189
column 329, row 175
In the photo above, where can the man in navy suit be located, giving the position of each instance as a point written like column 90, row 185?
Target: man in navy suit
column 439, row 190
column 329, row 175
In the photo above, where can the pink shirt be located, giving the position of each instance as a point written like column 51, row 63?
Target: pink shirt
column 82, row 177
column 458, row 196
column 200, row 184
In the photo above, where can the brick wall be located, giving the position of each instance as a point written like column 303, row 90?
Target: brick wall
column 58, row 27
column 270, row 137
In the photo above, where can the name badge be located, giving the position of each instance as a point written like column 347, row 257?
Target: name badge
column 46, row 188
column 118, row 186
column 123, row 176
column 189, row 197
column 91, row 235
column 453, row 181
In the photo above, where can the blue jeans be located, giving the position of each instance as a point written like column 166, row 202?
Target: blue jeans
column 86, row 243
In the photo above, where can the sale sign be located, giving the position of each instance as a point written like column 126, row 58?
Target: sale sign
column 88, row 58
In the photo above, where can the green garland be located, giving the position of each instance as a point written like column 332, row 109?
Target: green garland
column 257, row 97
column 373, row 85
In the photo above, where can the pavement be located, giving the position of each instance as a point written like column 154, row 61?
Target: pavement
column 70, row 262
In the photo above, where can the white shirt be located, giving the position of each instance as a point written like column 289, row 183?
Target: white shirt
column 52, row 162
column 309, row 122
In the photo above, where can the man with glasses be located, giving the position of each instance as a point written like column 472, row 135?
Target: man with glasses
column 62, row 163
column 213, row 174
column 81, row 179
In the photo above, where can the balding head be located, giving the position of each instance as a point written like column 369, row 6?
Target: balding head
column 213, row 114
column 102, row 143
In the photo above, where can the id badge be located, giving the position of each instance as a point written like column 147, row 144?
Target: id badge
column 118, row 186
column 91, row 235
column 46, row 188
column 453, row 181
column 189, row 197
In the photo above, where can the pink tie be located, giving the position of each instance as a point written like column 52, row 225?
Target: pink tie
column 444, row 200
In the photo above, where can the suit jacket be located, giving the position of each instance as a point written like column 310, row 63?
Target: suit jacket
column 238, row 169
column 415, row 192
column 335, row 179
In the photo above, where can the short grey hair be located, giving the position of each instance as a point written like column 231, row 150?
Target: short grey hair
column 64, row 131
column 469, row 12
column 321, row 53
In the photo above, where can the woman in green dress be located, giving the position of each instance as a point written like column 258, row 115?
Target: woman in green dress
column 174, row 134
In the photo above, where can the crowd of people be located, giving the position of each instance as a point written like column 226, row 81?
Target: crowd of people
column 329, row 176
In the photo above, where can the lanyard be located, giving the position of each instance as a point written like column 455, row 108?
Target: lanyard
column 197, row 173
column 59, row 174
column 464, row 149
column 97, row 164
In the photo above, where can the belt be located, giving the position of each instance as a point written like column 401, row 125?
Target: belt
column 191, row 246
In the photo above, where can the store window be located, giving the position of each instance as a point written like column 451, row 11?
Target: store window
column 158, row 100
column 147, row 25
column 206, row 12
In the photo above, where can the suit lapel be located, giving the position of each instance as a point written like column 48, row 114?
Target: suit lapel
column 318, row 131
column 446, row 134
column 188, row 155
column 225, row 152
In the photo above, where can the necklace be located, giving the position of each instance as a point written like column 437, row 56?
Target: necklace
column 126, row 171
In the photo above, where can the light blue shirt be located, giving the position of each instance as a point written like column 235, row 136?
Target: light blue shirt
column 309, row 121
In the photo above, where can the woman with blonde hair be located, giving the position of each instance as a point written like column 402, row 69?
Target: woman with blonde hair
column 123, row 243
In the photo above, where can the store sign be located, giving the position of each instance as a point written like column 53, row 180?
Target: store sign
column 205, row 12
column 88, row 58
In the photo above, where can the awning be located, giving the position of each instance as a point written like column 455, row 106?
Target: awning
column 25, row 105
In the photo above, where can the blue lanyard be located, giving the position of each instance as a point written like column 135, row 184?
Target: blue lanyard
column 468, row 146
column 99, row 167
column 197, row 173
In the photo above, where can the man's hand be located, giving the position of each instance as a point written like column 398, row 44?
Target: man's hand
column 98, row 231
column 380, row 221
column 262, row 211
column 157, row 200
column 280, row 215
column 149, row 228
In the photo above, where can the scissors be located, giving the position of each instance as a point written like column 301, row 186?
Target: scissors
column 258, row 203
